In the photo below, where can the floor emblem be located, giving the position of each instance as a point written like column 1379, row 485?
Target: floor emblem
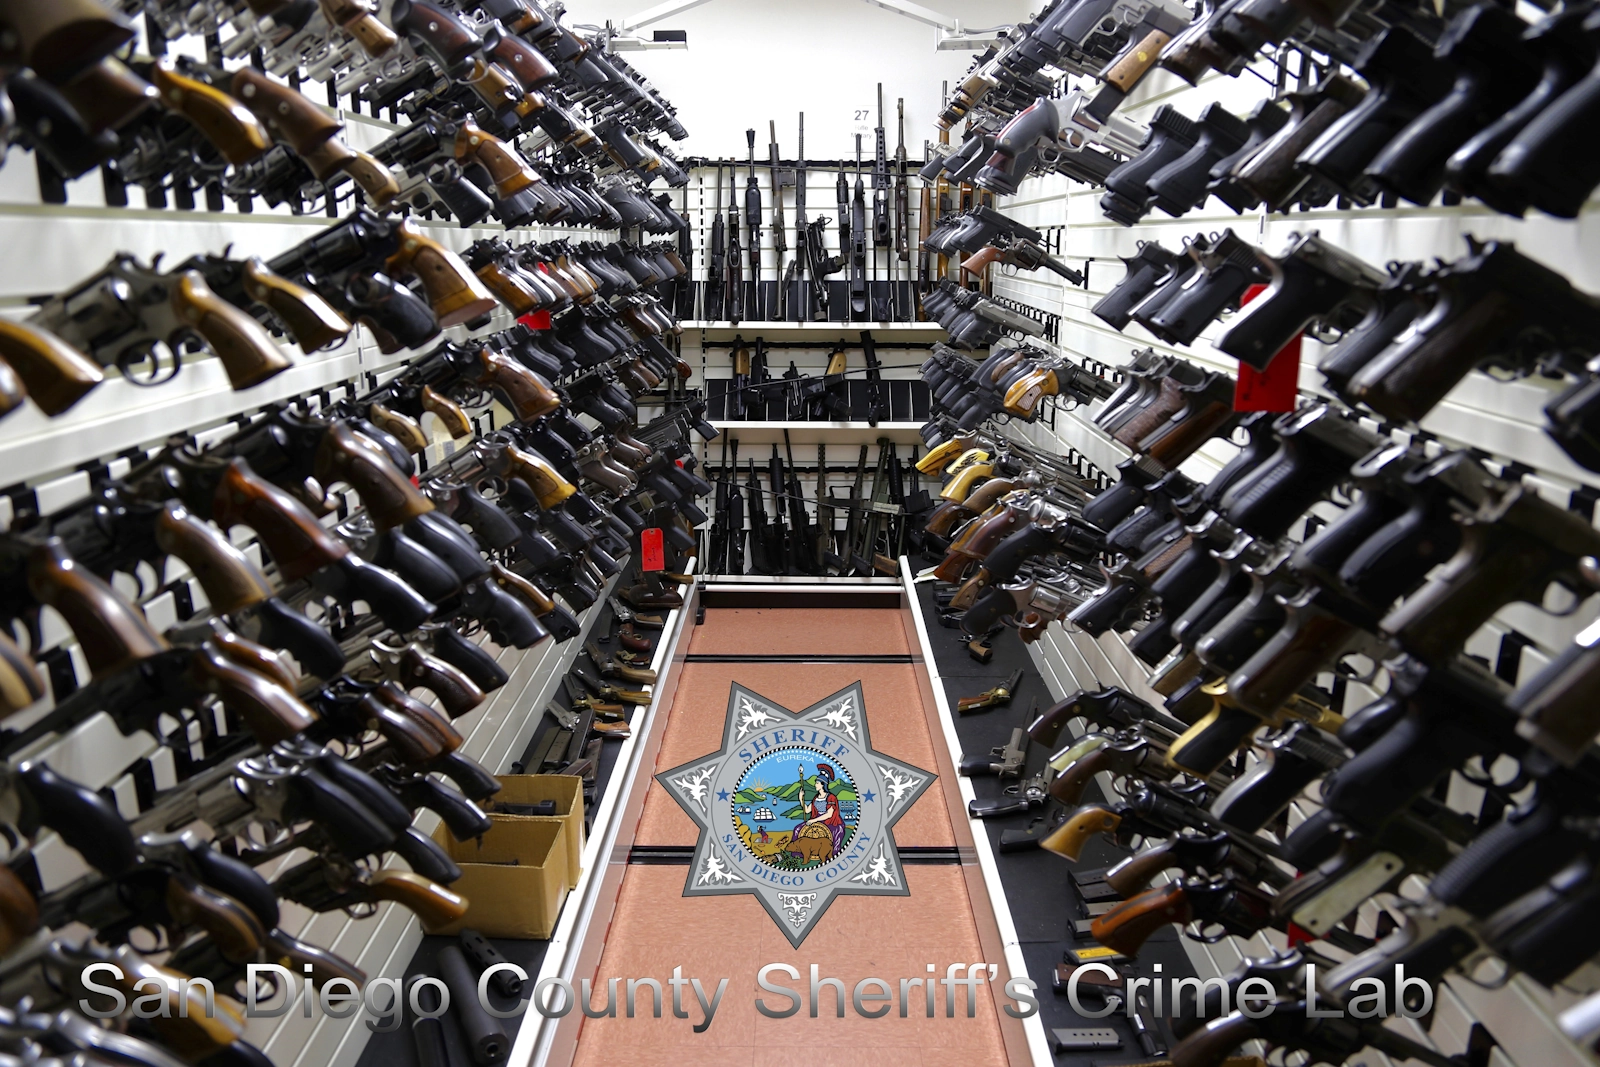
column 796, row 808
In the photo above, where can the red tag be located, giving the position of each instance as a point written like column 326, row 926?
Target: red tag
column 1273, row 389
column 536, row 320
column 1299, row 935
column 652, row 556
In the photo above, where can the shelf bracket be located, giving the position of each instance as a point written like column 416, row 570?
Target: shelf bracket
column 953, row 37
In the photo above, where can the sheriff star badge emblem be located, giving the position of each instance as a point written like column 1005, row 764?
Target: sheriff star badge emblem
column 796, row 808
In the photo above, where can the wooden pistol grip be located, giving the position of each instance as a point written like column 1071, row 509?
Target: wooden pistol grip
column 57, row 375
column 549, row 488
column 21, row 682
column 988, row 533
column 454, row 292
column 375, row 179
column 520, row 587
column 963, row 483
column 970, row 457
column 432, row 904
column 345, row 455
column 1213, row 1044
column 231, row 582
column 256, row 658
column 59, row 38
column 838, row 363
column 457, row 693
column 404, row 428
column 1180, row 442
column 523, row 62
column 12, row 391
column 941, row 454
column 325, row 966
column 1068, row 786
column 944, row 517
column 1169, row 400
column 328, row 158
column 426, row 718
column 444, row 33
column 1133, row 874
column 509, row 289
column 232, row 927
column 1124, row 73
column 289, row 116
column 357, row 18
column 112, row 632
column 447, row 411
column 297, row 542
column 980, row 259
column 506, row 168
column 1026, row 392
column 108, row 95
column 1129, row 925
column 247, row 353
column 270, row 712
column 585, row 284
column 413, row 743
column 19, row 911
column 1069, row 838
column 312, row 320
column 184, row 1026
column 225, row 122
column 988, row 494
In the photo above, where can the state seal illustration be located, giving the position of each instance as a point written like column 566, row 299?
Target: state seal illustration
column 796, row 808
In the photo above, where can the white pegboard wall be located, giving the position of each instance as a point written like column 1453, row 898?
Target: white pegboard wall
column 48, row 463
column 1503, row 419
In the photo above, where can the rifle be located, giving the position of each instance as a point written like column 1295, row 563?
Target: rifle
column 752, row 219
column 864, row 555
column 858, row 244
column 736, row 534
column 813, row 301
column 780, row 239
column 683, row 304
column 735, row 264
column 717, row 545
column 780, row 550
column 761, row 560
column 827, row 560
column 717, row 276
column 803, row 533
column 877, row 399
column 942, row 203
column 902, row 196
column 739, row 385
column 854, row 523
column 882, row 223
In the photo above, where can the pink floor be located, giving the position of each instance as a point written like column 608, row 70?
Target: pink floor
column 655, row 928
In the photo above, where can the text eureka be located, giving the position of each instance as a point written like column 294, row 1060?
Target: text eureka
column 385, row 1000
column 842, row 864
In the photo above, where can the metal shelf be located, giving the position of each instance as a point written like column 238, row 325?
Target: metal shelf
column 811, row 433
column 881, row 331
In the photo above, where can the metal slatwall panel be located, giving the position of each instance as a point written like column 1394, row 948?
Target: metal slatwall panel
column 1501, row 418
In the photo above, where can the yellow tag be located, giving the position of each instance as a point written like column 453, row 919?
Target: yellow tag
column 1099, row 953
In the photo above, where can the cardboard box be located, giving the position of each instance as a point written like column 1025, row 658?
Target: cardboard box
column 506, row 899
column 567, row 791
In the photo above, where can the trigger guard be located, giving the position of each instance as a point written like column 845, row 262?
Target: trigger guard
column 130, row 357
column 1196, row 931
